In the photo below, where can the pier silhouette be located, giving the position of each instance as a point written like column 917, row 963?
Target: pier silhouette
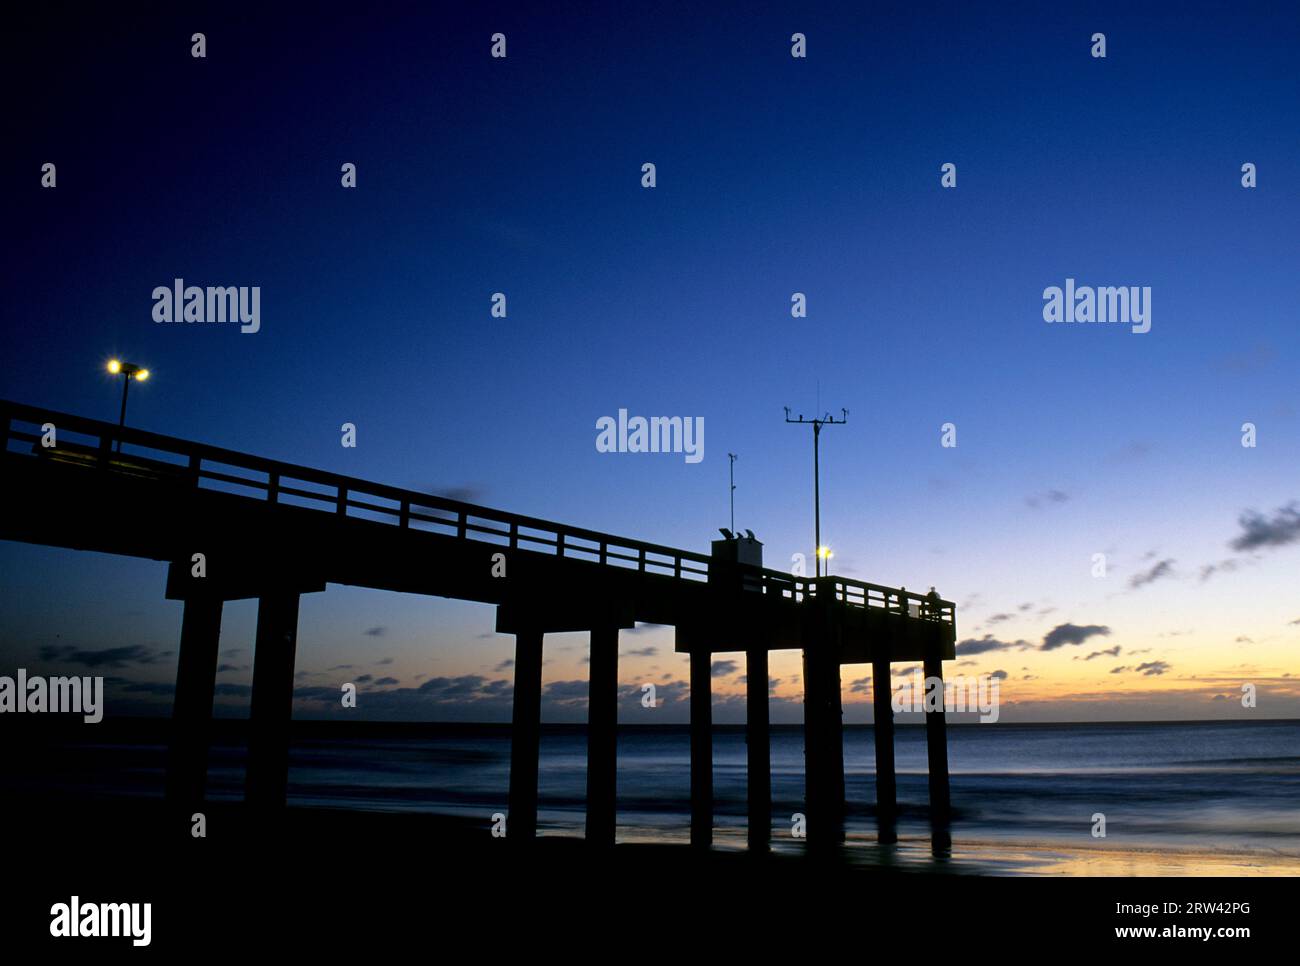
column 273, row 531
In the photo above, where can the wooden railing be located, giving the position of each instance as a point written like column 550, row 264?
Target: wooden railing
column 166, row 459
column 857, row 593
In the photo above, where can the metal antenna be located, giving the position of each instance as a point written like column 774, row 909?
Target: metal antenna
column 817, row 424
column 731, row 472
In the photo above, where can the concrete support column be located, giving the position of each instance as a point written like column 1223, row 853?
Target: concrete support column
column 602, row 736
column 883, row 730
column 758, row 738
column 824, row 726
column 936, row 741
column 196, row 678
column 272, row 703
column 823, row 748
column 701, row 748
column 525, row 736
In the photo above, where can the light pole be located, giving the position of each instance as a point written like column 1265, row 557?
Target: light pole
column 822, row 553
column 128, row 371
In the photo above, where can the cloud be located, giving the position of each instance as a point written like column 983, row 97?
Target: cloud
column 999, row 675
column 1109, row 652
column 723, row 668
column 1135, row 450
column 988, row 643
column 1152, row 667
column 1063, row 634
column 999, row 618
column 109, row 657
column 669, row 694
column 464, row 684
column 469, row 697
column 744, row 679
column 163, row 688
column 1051, row 496
column 1164, row 568
column 649, row 651
column 379, row 631
column 507, row 663
column 1259, row 531
column 365, row 678
column 1223, row 566
column 1247, row 362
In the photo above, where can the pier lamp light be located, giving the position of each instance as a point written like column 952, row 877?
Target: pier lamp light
column 824, row 553
column 128, row 371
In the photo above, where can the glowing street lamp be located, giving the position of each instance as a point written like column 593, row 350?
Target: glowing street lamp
column 128, row 371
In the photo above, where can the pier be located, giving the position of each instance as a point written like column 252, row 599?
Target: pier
column 273, row 531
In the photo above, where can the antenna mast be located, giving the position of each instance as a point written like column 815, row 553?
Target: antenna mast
column 731, row 473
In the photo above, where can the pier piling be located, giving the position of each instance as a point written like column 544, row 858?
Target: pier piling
column 196, row 678
column 936, row 743
column 602, row 736
column 758, row 738
column 271, row 706
column 701, row 749
column 525, row 735
column 883, row 732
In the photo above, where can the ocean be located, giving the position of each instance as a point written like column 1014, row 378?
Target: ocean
column 1218, row 788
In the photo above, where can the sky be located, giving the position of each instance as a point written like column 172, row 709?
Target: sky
column 775, row 175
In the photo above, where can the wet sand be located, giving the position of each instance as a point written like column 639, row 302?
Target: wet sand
column 335, row 879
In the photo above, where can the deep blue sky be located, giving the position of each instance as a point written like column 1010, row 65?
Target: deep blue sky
column 775, row 176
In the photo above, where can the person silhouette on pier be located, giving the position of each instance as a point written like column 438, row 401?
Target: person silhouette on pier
column 933, row 602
